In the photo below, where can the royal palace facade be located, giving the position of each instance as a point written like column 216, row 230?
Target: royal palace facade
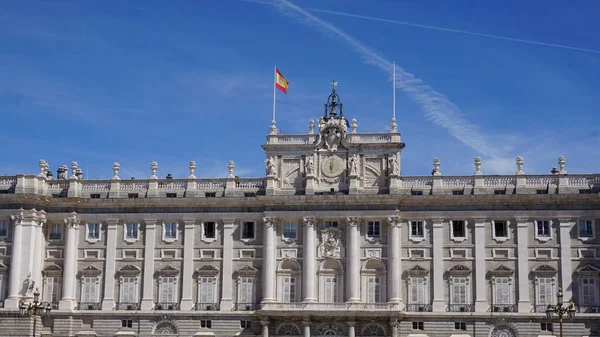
column 333, row 241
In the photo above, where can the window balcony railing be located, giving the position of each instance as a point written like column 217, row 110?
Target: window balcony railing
column 588, row 309
column 460, row 307
column 88, row 306
column 166, row 306
column 55, row 236
column 503, row 308
column 245, row 306
column 128, row 306
column 206, row 306
column 54, row 305
column 541, row 308
column 418, row 307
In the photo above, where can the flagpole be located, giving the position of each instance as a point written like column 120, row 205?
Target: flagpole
column 274, row 91
column 394, row 80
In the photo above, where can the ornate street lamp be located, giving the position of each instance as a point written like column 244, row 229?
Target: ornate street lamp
column 35, row 308
column 561, row 310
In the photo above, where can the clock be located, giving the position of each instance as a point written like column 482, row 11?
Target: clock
column 332, row 166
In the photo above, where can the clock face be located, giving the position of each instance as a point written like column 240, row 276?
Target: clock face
column 332, row 166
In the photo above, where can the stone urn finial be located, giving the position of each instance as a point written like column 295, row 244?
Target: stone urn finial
column 561, row 165
column 354, row 125
column 43, row 168
column 477, row 165
column 153, row 168
column 520, row 165
column 231, row 166
column 311, row 127
column 192, row 167
column 394, row 125
column 436, row 166
column 79, row 174
column 116, row 168
column 74, row 170
column 273, row 128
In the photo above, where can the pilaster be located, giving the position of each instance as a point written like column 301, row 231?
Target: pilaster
column 351, row 329
column 270, row 189
column 438, row 303
column 265, row 328
column 226, row 266
column 394, row 263
column 269, row 260
column 353, row 188
column 310, row 185
column 566, row 271
column 306, row 327
column 438, row 187
column 523, row 265
column 481, row 304
column 353, row 260
column 395, row 184
column 309, row 269
column 148, row 279
column 187, row 303
column 39, row 248
column 68, row 300
column 108, row 302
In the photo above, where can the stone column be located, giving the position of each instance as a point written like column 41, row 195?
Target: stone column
column 523, row 265
column 187, row 303
column 306, row 326
column 39, row 250
column 108, row 302
column 148, row 279
column 265, row 328
column 269, row 260
column 309, row 268
column 438, row 302
column 480, row 282
column 394, row 263
column 14, row 283
column 226, row 266
column 353, row 260
column 394, row 327
column 68, row 300
column 566, row 271
column 351, row 330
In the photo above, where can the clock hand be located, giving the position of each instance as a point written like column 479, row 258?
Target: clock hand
column 331, row 166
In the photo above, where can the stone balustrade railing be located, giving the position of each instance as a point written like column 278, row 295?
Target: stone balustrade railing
column 239, row 187
column 330, row 306
column 353, row 138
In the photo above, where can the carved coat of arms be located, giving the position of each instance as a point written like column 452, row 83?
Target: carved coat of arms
column 330, row 246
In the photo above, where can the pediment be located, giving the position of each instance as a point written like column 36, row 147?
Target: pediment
column 52, row 269
column 130, row 270
column 501, row 270
column 459, row 270
column 207, row 270
column 90, row 271
column 545, row 270
column 588, row 269
column 417, row 271
column 247, row 270
column 168, row 270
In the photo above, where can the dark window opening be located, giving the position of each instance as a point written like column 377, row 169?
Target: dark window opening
column 133, row 195
column 209, row 230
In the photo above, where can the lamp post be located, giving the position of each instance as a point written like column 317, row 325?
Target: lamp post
column 35, row 308
column 561, row 310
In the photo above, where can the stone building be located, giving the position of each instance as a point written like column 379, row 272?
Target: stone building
column 333, row 241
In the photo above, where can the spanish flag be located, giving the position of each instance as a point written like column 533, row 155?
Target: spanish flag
column 280, row 82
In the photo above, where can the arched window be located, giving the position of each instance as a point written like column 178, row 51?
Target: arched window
column 331, row 275
column 165, row 328
column 288, row 329
column 373, row 330
column 330, row 329
column 288, row 281
column 373, row 281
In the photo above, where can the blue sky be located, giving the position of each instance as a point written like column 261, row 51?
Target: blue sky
column 139, row 81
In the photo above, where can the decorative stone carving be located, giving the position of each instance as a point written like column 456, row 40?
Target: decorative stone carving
column 394, row 221
column 354, row 125
column 74, row 170
column 192, row 167
column 289, row 253
column 503, row 331
column 309, row 221
column 311, row 127
column 373, row 253
column 561, row 164
column 207, row 270
column 288, row 329
column 165, row 328
column 310, row 166
column 330, row 246
column 330, row 330
column 271, row 168
column 273, row 128
column 394, row 166
column 72, row 221
column 520, row 165
column 436, row 166
column 477, row 165
column 373, row 330
column 153, row 168
column 332, row 166
column 43, row 168
column 354, row 165
column 291, row 175
column 116, row 168
column 332, row 132
column 353, row 221
column 230, row 167
column 394, row 126
column 269, row 221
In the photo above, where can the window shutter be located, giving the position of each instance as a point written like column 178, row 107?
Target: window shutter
column 246, row 290
column 373, row 289
column 129, row 290
column 545, row 291
column 459, row 291
column 502, row 291
column 331, row 290
column 207, row 290
column 588, row 291
column 417, row 290
column 89, row 292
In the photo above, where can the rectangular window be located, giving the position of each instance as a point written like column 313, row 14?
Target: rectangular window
column 207, row 288
column 209, row 230
column 248, row 230
column 289, row 289
column 589, row 292
column 94, row 196
column 545, row 326
column 459, row 290
column 210, row 194
column 129, row 291
column 131, row 230
column 93, row 230
column 249, row 194
column 289, row 230
column 458, row 229
column 171, row 230
column 3, row 227
column 167, row 290
column 416, row 192
column 55, row 231
column 132, row 195
column 246, row 291
column 89, row 290
column 502, row 291
column 52, row 289
column 416, row 229
column 417, row 290
column 374, row 229
column 545, row 291
column 543, row 228
column 205, row 323
column 127, row 323
column 585, row 191
column 417, row 326
column 499, row 192
column 171, row 195
column 373, row 289
column 458, row 192
column 245, row 324
column 541, row 192
column 586, row 229
column 500, row 230
column 331, row 289
column 460, row 326
column 332, row 224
